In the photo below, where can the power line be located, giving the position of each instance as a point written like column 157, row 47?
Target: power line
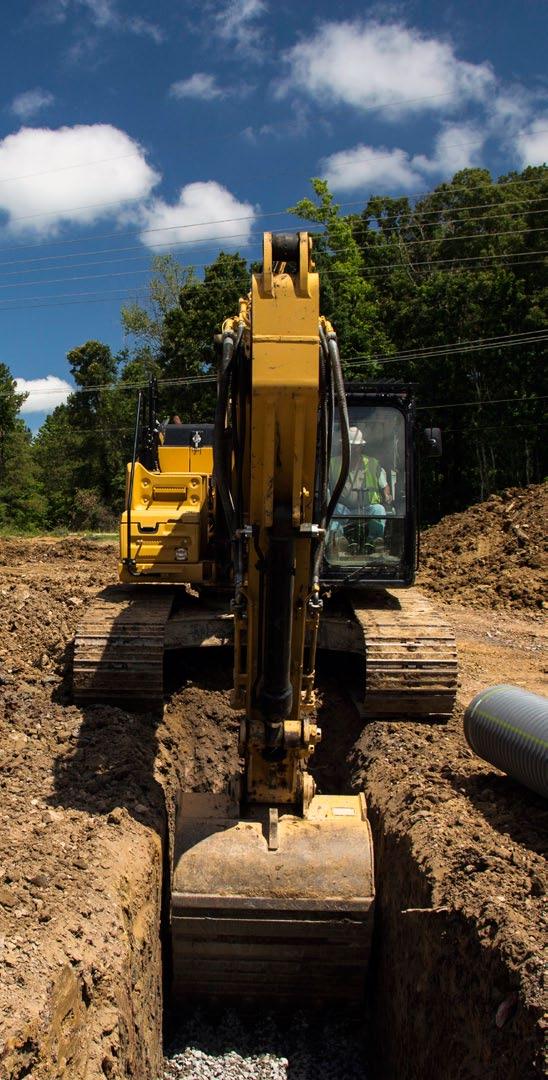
column 76, row 165
column 67, row 299
column 267, row 213
column 62, row 212
column 397, row 103
column 477, row 404
column 195, row 265
column 379, row 358
column 380, row 232
column 446, row 430
column 433, row 263
column 444, row 347
column 450, row 352
column 382, row 229
column 189, row 380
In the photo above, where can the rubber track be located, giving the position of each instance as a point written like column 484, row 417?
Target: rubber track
column 410, row 655
column 119, row 648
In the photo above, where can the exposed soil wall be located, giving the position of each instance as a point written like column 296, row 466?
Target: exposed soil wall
column 456, row 981
column 86, row 804
column 81, row 826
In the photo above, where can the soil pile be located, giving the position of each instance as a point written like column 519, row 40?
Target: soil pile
column 493, row 554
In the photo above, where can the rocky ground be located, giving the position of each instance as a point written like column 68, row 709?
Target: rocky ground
column 86, row 797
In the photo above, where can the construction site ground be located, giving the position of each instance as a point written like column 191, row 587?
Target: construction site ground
column 87, row 802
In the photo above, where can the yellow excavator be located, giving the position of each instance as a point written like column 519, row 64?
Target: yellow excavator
column 286, row 526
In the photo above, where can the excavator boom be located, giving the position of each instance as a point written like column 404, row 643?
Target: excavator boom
column 273, row 886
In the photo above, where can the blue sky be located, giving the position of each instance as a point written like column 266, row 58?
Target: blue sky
column 129, row 128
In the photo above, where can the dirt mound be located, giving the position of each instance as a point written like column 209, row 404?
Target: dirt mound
column 22, row 551
column 493, row 554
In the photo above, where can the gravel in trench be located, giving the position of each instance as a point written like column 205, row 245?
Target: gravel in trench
column 237, row 1047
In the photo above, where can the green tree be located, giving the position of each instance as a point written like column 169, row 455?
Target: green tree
column 22, row 502
column 348, row 299
column 10, row 404
column 463, row 265
column 174, row 333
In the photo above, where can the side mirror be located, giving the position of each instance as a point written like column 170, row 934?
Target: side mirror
column 432, row 437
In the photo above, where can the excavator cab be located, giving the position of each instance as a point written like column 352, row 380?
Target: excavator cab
column 371, row 537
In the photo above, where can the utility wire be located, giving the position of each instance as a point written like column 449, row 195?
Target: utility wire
column 197, row 379
column 446, row 431
column 457, row 346
column 369, row 231
column 267, row 213
column 191, row 266
column 450, row 352
column 66, row 299
column 477, row 404
column 213, row 240
column 327, row 270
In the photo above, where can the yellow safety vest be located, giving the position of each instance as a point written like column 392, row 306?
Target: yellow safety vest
column 371, row 468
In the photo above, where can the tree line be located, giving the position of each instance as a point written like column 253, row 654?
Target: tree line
column 448, row 293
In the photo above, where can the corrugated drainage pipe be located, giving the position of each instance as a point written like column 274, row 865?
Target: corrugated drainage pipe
column 509, row 728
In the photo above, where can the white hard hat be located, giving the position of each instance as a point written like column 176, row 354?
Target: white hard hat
column 356, row 436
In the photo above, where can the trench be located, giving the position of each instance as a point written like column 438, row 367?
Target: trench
column 440, row 976
column 433, row 984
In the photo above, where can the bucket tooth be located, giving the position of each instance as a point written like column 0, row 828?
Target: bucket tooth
column 253, row 920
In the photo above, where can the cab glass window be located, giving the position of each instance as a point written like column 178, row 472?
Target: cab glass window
column 367, row 528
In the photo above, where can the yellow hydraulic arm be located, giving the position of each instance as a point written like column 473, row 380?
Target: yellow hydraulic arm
column 277, row 606
column 272, row 891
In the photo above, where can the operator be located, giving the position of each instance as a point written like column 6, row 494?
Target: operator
column 367, row 490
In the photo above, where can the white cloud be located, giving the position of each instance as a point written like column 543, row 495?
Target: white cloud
column 236, row 22
column 532, row 143
column 103, row 14
column 510, row 109
column 457, row 146
column 30, row 102
column 200, row 86
column 369, row 64
column 71, row 174
column 44, row 394
column 144, row 28
column 54, row 11
column 362, row 166
column 205, row 210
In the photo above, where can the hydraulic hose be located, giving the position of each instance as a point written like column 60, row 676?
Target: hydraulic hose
column 219, row 450
column 508, row 727
column 338, row 379
column 130, row 565
column 334, row 376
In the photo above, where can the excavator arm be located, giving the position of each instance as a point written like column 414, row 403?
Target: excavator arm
column 273, row 883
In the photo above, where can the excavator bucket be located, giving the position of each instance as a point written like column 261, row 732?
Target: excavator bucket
column 271, row 905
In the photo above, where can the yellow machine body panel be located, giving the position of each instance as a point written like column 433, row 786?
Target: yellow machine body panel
column 186, row 459
column 170, row 512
